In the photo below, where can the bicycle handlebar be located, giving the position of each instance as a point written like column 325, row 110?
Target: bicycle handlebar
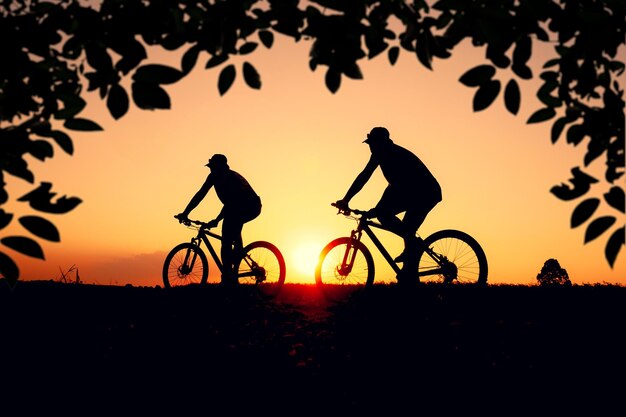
column 189, row 222
column 347, row 211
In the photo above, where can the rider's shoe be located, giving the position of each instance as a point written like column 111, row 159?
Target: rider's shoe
column 400, row 258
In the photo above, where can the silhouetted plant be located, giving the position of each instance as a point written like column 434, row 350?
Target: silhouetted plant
column 54, row 51
column 552, row 274
column 65, row 278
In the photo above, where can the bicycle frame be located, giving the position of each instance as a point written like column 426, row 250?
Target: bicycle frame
column 203, row 236
column 366, row 225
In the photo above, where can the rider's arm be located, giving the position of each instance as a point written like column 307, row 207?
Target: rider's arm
column 198, row 197
column 361, row 179
column 220, row 216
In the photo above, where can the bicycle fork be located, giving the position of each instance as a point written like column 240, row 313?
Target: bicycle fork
column 190, row 259
column 350, row 254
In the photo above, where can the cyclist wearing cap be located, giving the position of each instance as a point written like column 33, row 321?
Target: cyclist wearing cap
column 412, row 189
column 241, row 204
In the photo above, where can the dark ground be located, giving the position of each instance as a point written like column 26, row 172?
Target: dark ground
column 500, row 350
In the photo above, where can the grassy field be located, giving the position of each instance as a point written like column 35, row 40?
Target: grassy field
column 433, row 350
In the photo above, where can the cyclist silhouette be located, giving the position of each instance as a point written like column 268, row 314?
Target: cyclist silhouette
column 412, row 189
column 241, row 205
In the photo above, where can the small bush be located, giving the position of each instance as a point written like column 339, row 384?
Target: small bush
column 552, row 274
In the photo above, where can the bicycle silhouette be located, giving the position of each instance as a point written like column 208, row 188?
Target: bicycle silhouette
column 447, row 256
column 260, row 263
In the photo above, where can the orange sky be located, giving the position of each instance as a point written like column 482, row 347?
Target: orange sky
column 300, row 147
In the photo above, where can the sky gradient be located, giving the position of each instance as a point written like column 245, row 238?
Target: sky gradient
column 301, row 147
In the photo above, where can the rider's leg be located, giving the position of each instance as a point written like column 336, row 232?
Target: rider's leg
column 232, row 241
column 231, row 244
column 388, row 208
column 413, row 219
column 392, row 203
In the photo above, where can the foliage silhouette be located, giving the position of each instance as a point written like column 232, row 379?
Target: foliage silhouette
column 552, row 274
column 57, row 50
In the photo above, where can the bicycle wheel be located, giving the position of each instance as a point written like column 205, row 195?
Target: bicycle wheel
column 262, row 264
column 329, row 272
column 185, row 264
column 465, row 261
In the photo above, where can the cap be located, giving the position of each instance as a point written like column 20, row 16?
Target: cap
column 217, row 160
column 377, row 134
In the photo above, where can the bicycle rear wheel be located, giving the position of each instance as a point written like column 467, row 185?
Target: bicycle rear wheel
column 464, row 260
column 332, row 272
column 262, row 264
column 186, row 264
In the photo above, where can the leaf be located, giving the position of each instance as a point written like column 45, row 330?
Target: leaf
column 614, row 245
column 19, row 168
column 615, row 198
column 522, row 71
column 353, row 71
column 541, row 115
column 149, row 96
column 157, row 74
column 117, row 101
column 251, row 76
column 393, row 54
column 584, row 211
column 512, row 96
column 267, row 38
column 551, row 63
column 98, row 57
column 522, row 51
column 422, row 51
column 598, row 226
column 226, row 79
column 333, row 80
column 9, row 269
column 247, row 48
column 486, row 94
column 478, row 75
column 23, row 245
column 73, row 104
column 581, row 182
column 40, row 227
column 557, row 128
column 5, row 218
column 40, row 149
column 216, row 60
column 544, row 94
column 63, row 140
column 575, row 134
column 82, row 125
column 190, row 58
column 41, row 199
column 133, row 52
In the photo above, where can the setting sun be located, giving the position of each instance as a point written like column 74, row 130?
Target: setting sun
column 304, row 259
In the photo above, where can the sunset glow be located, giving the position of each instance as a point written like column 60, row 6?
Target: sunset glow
column 301, row 147
column 304, row 258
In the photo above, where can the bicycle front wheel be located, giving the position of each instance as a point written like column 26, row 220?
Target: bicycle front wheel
column 262, row 264
column 461, row 259
column 345, row 262
column 186, row 264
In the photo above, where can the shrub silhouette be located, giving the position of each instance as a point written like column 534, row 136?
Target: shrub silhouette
column 552, row 274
